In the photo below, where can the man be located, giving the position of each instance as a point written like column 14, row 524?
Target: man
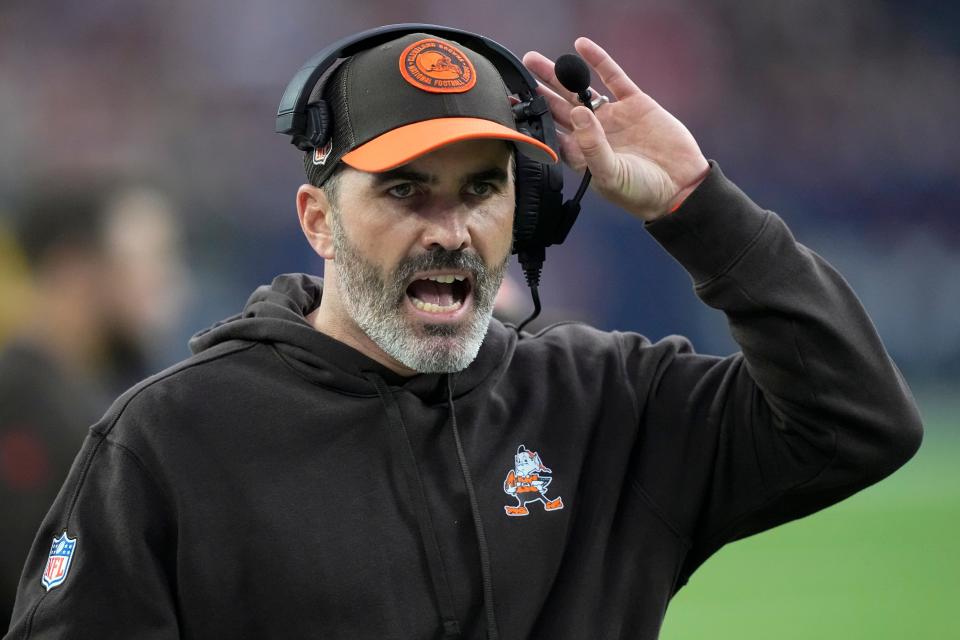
column 369, row 456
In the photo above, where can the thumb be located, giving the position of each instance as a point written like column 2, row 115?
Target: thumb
column 589, row 135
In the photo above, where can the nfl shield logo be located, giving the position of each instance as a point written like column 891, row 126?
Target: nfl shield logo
column 58, row 564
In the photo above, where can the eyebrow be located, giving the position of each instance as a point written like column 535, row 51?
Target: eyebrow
column 494, row 174
column 407, row 175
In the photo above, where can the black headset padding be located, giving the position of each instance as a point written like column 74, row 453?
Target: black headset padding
column 539, row 191
column 529, row 176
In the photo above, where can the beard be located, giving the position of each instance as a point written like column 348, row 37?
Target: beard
column 376, row 300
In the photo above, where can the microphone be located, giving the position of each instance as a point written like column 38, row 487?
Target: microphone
column 574, row 74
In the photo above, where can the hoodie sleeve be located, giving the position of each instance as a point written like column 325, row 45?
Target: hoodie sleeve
column 117, row 583
column 811, row 411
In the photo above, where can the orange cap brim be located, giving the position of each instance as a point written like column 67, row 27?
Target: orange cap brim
column 403, row 144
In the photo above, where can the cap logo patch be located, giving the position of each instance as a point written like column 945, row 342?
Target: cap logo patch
column 437, row 67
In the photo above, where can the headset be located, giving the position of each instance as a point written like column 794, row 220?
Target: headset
column 541, row 219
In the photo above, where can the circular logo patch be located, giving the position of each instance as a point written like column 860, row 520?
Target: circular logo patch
column 437, row 67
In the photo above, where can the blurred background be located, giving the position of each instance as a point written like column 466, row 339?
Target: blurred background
column 144, row 195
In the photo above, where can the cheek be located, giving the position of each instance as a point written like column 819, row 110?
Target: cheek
column 382, row 236
column 494, row 232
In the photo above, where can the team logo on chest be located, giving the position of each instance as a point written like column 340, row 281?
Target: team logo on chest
column 59, row 560
column 527, row 483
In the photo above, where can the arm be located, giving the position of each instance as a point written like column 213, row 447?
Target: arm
column 811, row 411
column 119, row 582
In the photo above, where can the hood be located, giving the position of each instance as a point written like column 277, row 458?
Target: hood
column 276, row 314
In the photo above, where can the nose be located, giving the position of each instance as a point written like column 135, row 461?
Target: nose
column 446, row 229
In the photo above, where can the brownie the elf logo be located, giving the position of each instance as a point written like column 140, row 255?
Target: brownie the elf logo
column 437, row 67
column 527, row 483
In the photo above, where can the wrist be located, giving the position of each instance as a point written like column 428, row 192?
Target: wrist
column 684, row 192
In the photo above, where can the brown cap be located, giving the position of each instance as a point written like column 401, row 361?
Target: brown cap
column 410, row 96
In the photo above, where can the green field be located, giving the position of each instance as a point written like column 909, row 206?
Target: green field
column 883, row 564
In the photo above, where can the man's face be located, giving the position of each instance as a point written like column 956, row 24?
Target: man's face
column 420, row 251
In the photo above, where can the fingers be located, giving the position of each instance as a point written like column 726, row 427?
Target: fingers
column 609, row 71
column 586, row 144
column 592, row 144
column 542, row 67
column 570, row 153
column 560, row 101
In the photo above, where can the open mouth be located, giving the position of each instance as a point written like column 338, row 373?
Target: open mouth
column 440, row 294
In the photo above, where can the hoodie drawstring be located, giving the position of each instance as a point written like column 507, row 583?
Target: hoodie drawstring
column 401, row 442
column 441, row 586
column 492, row 633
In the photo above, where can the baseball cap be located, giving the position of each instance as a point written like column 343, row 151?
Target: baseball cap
column 407, row 97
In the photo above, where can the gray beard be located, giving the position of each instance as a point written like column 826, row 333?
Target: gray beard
column 375, row 302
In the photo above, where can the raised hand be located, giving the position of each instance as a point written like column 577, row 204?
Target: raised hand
column 641, row 157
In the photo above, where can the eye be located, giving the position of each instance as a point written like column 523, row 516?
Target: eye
column 403, row 190
column 481, row 189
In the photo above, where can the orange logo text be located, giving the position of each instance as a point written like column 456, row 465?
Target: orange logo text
column 438, row 67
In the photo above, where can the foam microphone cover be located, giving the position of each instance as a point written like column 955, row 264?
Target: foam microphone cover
column 572, row 72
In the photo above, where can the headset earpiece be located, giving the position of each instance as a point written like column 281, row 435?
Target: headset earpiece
column 316, row 131
column 539, row 195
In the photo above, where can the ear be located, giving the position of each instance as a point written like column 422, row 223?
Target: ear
column 313, row 209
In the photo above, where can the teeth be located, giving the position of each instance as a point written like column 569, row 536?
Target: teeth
column 429, row 307
column 446, row 279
